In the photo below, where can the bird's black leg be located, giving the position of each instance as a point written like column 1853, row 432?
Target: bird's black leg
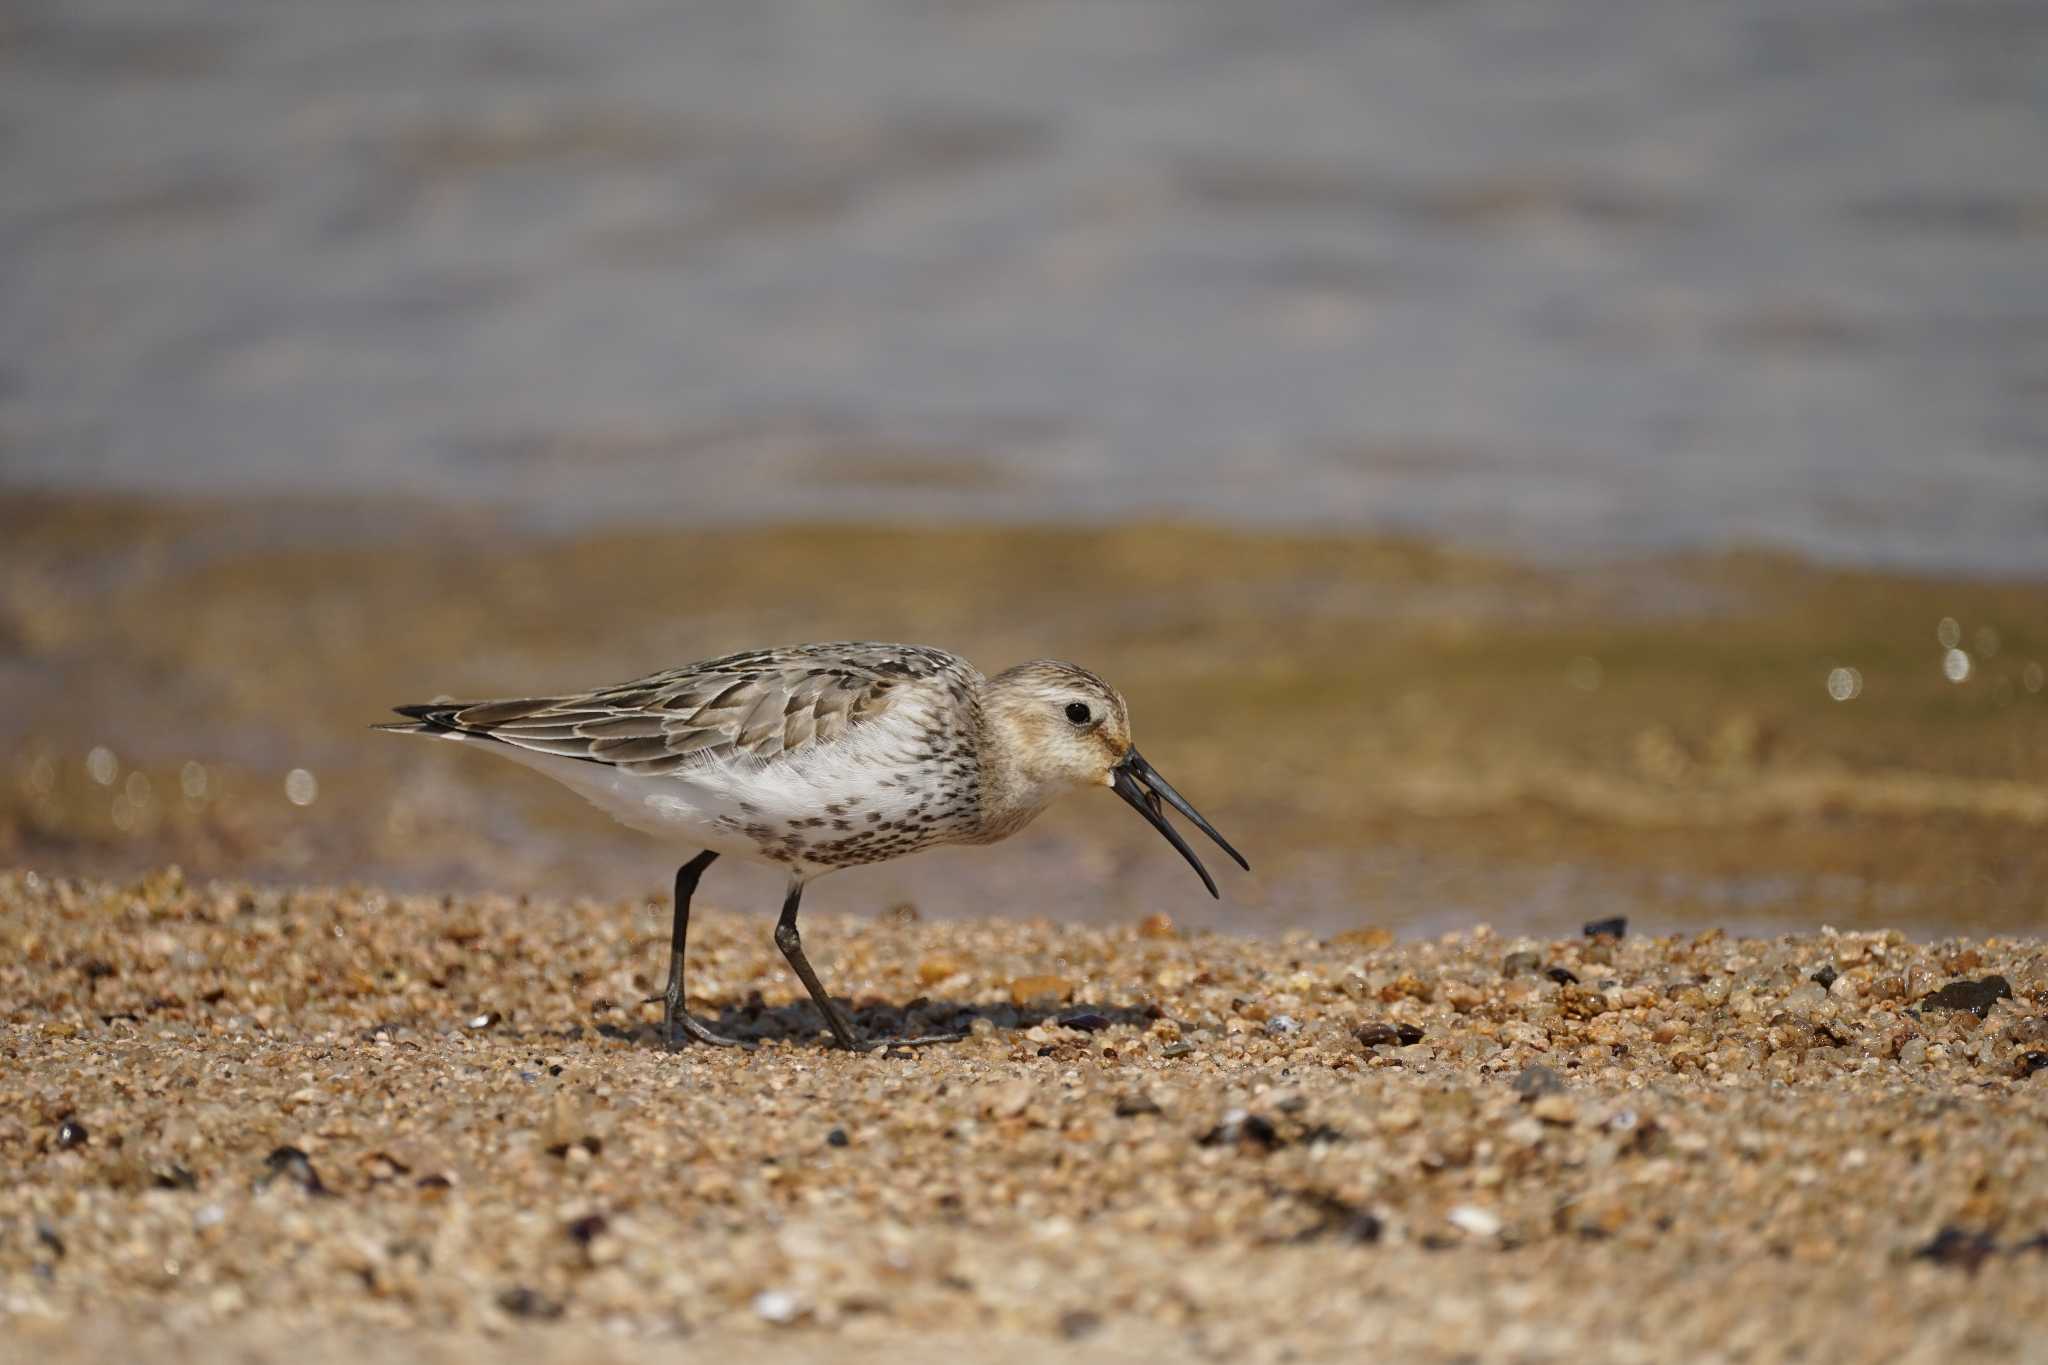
column 792, row 945
column 673, row 1016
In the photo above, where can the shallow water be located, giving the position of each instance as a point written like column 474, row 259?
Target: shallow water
column 1567, row 276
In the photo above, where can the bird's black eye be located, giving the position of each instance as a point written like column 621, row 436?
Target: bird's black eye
column 1078, row 712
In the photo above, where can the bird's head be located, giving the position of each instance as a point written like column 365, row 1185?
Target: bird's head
column 1063, row 728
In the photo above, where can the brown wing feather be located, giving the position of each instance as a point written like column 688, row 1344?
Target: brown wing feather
column 759, row 704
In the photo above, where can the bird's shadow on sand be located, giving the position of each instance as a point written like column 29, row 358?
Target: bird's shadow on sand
column 800, row 1024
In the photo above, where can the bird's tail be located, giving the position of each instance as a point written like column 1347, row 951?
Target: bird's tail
column 426, row 718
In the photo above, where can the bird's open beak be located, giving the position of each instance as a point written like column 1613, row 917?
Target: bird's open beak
column 1138, row 783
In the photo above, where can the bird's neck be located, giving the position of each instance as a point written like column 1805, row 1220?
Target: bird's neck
column 1011, row 796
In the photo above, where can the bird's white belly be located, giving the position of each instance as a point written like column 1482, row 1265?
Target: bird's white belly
column 760, row 812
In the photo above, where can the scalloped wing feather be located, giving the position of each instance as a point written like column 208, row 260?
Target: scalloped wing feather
column 756, row 705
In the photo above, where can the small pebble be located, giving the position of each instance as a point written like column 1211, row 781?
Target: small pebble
column 587, row 1229
column 1242, row 1128
column 1472, row 1219
column 1006, row 1099
column 1379, row 1033
column 836, row 1138
column 1026, row 989
column 778, row 1306
column 295, row 1166
column 1807, row 995
column 1516, row 963
column 1177, row 1049
column 1975, row 996
column 1563, row 976
column 1376, row 1034
column 1536, row 1081
column 480, row 1022
column 1615, row 927
column 1282, row 1024
column 1077, row 1323
column 1087, row 1021
column 1341, row 1218
column 1131, row 1106
column 71, row 1133
column 2031, row 1062
column 522, row 1302
column 1825, row 977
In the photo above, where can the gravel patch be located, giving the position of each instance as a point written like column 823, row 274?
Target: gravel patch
column 317, row 1122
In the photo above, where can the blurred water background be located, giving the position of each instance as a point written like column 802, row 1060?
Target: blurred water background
column 351, row 353
column 1569, row 276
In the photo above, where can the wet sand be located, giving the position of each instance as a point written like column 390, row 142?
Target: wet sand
column 312, row 1124
column 1398, row 733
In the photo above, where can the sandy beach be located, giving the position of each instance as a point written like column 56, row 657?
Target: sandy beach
column 317, row 1123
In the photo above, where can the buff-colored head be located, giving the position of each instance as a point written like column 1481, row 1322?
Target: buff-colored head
column 1063, row 726
column 1057, row 728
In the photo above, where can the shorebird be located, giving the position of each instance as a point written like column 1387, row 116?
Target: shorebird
column 819, row 757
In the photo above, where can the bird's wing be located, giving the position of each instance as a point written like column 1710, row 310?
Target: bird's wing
column 756, row 705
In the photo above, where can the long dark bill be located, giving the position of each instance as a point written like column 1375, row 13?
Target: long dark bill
column 1140, row 784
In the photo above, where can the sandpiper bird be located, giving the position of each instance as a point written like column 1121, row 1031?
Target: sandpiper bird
column 819, row 757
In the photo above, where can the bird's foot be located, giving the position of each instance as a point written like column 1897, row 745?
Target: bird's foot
column 679, row 1027
column 693, row 1031
column 921, row 1040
